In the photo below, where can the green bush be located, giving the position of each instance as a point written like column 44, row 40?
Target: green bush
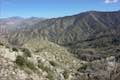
column 31, row 66
column 53, row 63
column 23, row 62
column 14, row 49
column 1, row 44
column 26, row 51
column 66, row 74
column 50, row 76
column 44, row 68
column 20, row 61
column 83, row 68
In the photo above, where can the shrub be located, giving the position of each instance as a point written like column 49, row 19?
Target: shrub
column 26, row 51
column 50, row 73
column 115, row 41
column 30, row 65
column 65, row 74
column 83, row 68
column 20, row 61
column 50, row 76
column 15, row 49
column 1, row 44
column 53, row 63
column 23, row 62
column 44, row 68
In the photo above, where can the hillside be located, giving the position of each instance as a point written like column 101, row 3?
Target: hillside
column 12, row 23
column 43, row 61
column 70, row 29
column 98, row 31
column 48, row 61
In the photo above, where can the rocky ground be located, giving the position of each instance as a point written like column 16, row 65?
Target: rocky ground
column 39, row 62
column 25, row 64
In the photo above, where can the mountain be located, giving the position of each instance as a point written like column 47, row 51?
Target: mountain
column 84, row 46
column 81, row 27
column 93, row 31
column 8, row 25
column 13, row 23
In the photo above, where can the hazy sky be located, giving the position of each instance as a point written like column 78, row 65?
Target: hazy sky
column 54, row 8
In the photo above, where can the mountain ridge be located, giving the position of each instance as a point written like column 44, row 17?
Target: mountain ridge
column 76, row 20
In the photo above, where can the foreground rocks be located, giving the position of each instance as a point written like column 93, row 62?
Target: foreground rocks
column 48, row 61
column 24, row 64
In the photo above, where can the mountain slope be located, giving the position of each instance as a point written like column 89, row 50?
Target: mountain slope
column 42, row 61
column 98, row 31
column 79, row 27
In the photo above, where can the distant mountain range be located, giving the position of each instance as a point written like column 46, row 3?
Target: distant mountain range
column 87, row 29
column 13, row 23
column 92, row 30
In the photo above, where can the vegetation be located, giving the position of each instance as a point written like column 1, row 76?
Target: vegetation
column 83, row 68
column 66, row 74
column 1, row 44
column 26, row 51
column 44, row 68
column 15, row 49
column 31, row 66
column 23, row 62
column 116, row 41
column 20, row 61
column 53, row 63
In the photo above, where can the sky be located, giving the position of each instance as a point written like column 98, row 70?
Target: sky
column 54, row 8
